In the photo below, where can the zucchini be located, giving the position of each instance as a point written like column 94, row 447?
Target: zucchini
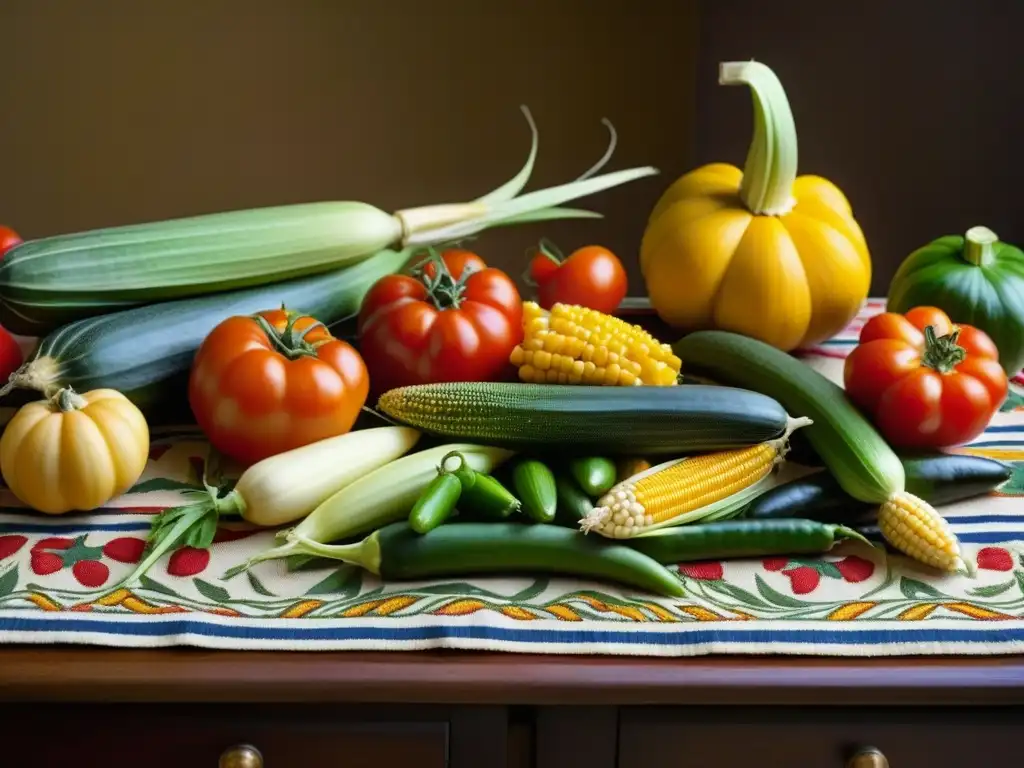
column 590, row 420
column 146, row 352
column 849, row 446
column 943, row 478
column 573, row 503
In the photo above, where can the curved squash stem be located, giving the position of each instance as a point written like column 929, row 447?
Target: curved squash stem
column 770, row 170
column 979, row 246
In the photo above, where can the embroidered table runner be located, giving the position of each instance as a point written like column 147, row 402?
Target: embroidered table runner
column 855, row 601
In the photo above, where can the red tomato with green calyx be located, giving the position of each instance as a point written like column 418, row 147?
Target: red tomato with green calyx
column 458, row 260
column 448, row 323
column 592, row 277
column 8, row 239
column 924, row 381
column 267, row 383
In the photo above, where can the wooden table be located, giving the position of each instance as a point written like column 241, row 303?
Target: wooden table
column 189, row 707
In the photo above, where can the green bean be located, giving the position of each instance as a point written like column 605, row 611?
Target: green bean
column 741, row 538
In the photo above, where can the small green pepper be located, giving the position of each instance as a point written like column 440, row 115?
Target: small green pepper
column 437, row 502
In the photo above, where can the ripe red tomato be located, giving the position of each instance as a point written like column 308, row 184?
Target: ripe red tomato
column 264, row 384
column 592, row 277
column 458, row 261
column 8, row 239
column 11, row 356
column 462, row 328
column 925, row 382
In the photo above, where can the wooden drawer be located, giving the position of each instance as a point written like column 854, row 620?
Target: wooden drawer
column 781, row 737
column 182, row 736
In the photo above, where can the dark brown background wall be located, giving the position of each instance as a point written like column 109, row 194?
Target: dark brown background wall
column 119, row 111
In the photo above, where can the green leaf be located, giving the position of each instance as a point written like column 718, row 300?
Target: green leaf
column 736, row 593
column 257, row 585
column 294, row 563
column 913, row 588
column 531, row 591
column 9, row 580
column 202, row 533
column 162, row 484
column 776, row 598
column 993, row 589
column 155, row 586
column 1020, row 580
column 212, row 591
column 824, row 567
column 344, row 582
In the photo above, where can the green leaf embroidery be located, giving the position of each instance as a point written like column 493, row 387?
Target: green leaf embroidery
column 1020, row 580
column 531, row 591
column 212, row 591
column 155, row 586
column 737, row 593
column 163, row 484
column 294, row 563
column 344, row 582
column 1015, row 485
column 9, row 580
column 824, row 567
column 1012, row 402
column 257, row 585
column 776, row 598
column 913, row 589
column 993, row 589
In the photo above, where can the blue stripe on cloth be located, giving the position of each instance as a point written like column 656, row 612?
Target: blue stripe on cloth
column 72, row 528
column 969, row 519
column 967, row 537
column 1005, row 428
column 996, row 444
column 981, row 633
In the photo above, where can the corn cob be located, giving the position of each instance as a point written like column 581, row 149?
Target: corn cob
column 685, row 490
column 913, row 527
column 576, row 345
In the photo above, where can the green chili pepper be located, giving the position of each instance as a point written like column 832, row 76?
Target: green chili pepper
column 741, row 538
column 437, row 502
column 396, row 552
column 573, row 503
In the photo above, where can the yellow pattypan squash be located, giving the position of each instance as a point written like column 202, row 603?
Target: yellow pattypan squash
column 74, row 452
column 760, row 252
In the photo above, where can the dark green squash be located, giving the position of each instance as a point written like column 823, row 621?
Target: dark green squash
column 974, row 279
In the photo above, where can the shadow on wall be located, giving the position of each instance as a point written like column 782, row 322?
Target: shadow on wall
column 123, row 112
column 912, row 108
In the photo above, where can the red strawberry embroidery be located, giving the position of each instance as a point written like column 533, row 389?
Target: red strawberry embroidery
column 855, row 569
column 52, row 542
column 774, row 563
column 803, row 579
column 995, row 559
column 124, row 549
column 188, row 561
column 706, row 571
column 90, row 573
column 11, row 544
column 44, row 563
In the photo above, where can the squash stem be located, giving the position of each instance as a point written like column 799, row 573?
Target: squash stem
column 979, row 246
column 770, row 170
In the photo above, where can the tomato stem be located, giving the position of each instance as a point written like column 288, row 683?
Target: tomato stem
column 290, row 342
column 942, row 353
column 444, row 290
column 979, row 246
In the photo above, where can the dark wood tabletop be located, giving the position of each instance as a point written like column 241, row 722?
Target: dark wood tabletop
column 191, row 675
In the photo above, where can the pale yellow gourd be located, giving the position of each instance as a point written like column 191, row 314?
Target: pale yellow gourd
column 74, row 451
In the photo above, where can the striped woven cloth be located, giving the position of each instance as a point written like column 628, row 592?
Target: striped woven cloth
column 59, row 576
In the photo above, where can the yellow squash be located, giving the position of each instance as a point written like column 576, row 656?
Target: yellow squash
column 74, row 452
column 760, row 252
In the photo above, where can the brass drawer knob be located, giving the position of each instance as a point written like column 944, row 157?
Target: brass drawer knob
column 868, row 757
column 241, row 756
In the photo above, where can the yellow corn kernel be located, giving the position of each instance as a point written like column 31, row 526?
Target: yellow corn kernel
column 676, row 488
column 612, row 351
column 913, row 527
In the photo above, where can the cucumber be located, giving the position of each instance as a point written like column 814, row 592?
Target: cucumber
column 595, row 474
column 849, row 446
column 534, row 484
column 146, row 352
column 573, row 503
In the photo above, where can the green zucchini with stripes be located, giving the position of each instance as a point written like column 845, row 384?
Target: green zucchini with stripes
column 590, row 420
column 146, row 352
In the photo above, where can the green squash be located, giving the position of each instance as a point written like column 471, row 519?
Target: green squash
column 974, row 279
